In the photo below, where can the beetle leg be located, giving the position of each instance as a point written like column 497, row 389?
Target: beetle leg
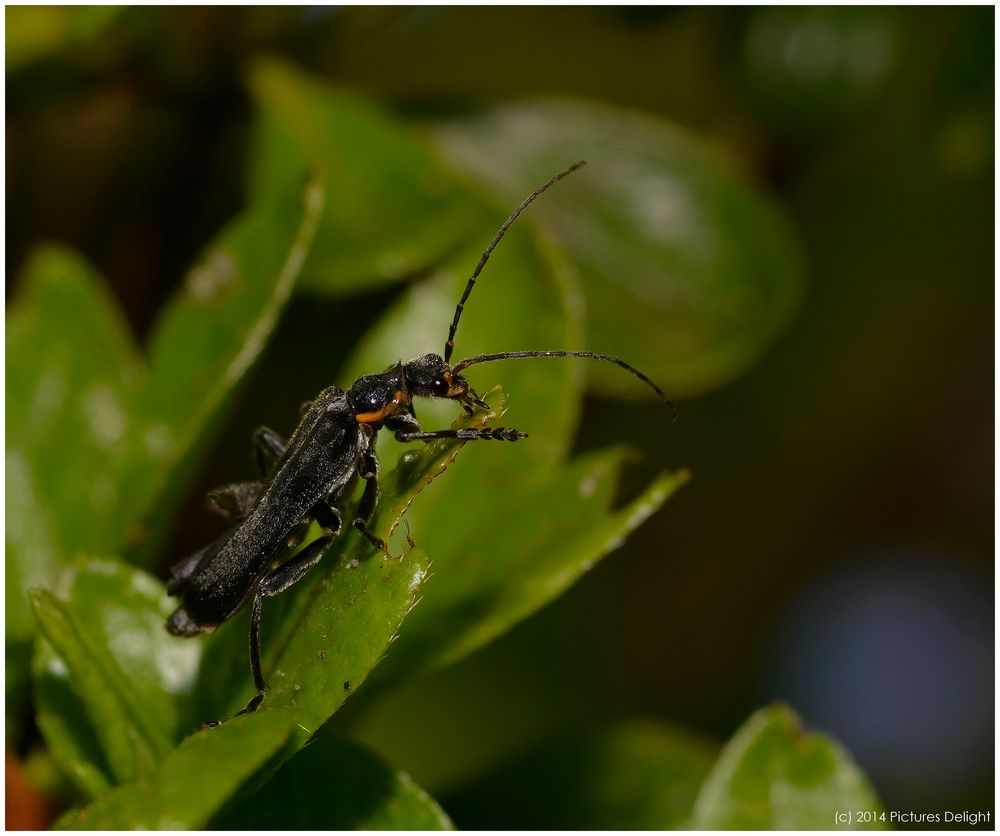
column 233, row 502
column 368, row 468
column 487, row 434
column 293, row 570
column 327, row 516
column 274, row 583
column 268, row 448
column 403, row 422
column 258, row 676
column 407, row 429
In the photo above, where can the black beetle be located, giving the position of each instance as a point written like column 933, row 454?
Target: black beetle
column 311, row 477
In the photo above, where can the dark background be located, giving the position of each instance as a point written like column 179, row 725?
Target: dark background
column 835, row 548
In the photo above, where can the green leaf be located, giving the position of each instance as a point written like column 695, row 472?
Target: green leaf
column 322, row 640
column 557, row 530
column 397, row 208
column 72, row 371
column 527, row 297
column 93, row 439
column 773, row 775
column 107, row 686
column 124, row 611
column 207, row 339
column 528, row 276
column 32, row 560
column 358, row 791
column 498, row 561
column 98, row 447
column 71, row 374
column 689, row 271
column 638, row 776
column 193, row 781
column 345, row 625
column 63, row 722
column 131, row 734
column 319, row 647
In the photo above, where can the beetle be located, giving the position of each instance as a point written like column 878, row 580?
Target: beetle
column 311, row 477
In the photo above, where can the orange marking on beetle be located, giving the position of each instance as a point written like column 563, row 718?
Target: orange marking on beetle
column 383, row 413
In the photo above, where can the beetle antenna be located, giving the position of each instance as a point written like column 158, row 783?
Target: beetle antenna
column 607, row 358
column 449, row 346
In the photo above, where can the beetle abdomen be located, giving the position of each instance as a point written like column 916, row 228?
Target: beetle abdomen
column 181, row 624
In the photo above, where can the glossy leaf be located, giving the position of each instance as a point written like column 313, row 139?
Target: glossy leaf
column 396, row 208
column 319, row 649
column 334, row 784
column 123, row 610
column 62, row 719
column 132, row 735
column 193, row 781
column 774, row 775
column 72, row 373
column 323, row 639
column 511, row 526
column 689, row 272
column 99, row 445
column 345, row 625
column 640, row 776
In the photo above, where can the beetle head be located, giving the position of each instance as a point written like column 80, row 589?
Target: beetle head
column 431, row 377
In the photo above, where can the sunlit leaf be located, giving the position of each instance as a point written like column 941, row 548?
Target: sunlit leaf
column 132, row 735
column 117, row 614
column 688, row 270
column 775, row 775
column 71, row 373
column 124, row 610
column 62, row 719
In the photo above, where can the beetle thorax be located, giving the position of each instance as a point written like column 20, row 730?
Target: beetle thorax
column 375, row 397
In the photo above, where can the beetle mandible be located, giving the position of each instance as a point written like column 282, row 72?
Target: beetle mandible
column 311, row 476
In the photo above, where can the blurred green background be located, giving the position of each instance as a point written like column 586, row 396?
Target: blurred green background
column 835, row 546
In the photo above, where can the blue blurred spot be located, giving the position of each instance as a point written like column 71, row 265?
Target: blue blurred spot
column 894, row 654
